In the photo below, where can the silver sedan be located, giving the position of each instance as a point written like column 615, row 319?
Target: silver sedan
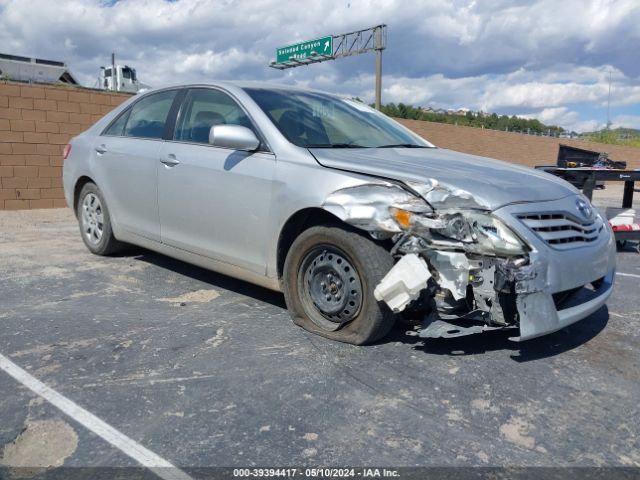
column 354, row 217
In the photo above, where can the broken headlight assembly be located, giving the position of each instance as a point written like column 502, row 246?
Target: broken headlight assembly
column 482, row 231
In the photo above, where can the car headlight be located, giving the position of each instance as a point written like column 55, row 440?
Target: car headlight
column 494, row 234
column 489, row 234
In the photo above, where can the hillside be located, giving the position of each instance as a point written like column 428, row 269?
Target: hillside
column 618, row 136
column 468, row 118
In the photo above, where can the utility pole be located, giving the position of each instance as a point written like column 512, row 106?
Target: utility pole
column 609, row 102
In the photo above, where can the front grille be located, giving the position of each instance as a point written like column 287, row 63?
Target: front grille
column 561, row 230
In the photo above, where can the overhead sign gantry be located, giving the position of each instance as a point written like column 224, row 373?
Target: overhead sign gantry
column 335, row 46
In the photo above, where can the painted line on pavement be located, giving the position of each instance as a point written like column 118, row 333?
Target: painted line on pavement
column 633, row 275
column 158, row 465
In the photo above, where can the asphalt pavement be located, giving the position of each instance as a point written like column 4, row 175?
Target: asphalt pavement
column 204, row 370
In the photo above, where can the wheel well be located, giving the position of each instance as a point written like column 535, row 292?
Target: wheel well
column 298, row 223
column 82, row 181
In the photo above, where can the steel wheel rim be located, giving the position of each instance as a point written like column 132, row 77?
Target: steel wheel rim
column 331, row 287
column 92, row 219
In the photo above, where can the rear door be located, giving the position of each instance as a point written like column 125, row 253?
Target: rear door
column 214, row 201
column 126, row 161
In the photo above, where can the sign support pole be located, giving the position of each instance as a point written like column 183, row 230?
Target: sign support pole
column 379, row 47
column 378, row 78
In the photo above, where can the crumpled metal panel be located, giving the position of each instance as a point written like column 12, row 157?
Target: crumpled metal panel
column 442, row 196
column 453, row 271
column 442, row 329
column 534, row 276
column 493, row 183
column 367, row 206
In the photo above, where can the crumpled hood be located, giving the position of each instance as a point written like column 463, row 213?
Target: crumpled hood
column 491, row 183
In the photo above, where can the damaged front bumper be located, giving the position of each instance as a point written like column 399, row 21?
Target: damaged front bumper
column 536, row 266
column 540, row 315
column 554, row 285
column 572, row 280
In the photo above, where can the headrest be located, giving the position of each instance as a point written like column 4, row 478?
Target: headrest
column 209, row 118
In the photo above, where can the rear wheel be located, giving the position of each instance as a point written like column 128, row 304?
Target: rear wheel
column 329, row 277
column 95, row 223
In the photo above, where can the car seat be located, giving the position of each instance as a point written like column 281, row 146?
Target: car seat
column 202, row 125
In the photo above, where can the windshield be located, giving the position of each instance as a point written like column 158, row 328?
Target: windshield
column 316, row 120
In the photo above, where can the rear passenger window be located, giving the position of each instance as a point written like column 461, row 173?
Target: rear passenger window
column 116, row 129
column 148, row 116
column 202, row 109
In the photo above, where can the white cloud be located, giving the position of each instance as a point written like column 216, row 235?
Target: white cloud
column 539, row 94
column 552, row 99
column 554, row 116
column 628, row 121
column 219, row 64
column 536, row 57
column 563, row 117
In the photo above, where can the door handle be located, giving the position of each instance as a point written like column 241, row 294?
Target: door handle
column 170, row 161
column 101, row 149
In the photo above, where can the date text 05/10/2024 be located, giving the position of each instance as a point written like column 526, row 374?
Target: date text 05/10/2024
column 315, row 472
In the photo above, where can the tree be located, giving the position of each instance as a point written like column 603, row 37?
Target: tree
column 471, row 119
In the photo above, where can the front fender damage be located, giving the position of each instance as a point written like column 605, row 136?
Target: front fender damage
column 458, row 287
column 367, row 207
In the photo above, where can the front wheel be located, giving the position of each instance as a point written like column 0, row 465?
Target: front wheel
column 329, row 277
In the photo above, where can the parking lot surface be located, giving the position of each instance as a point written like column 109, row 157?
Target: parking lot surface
column 204, row 370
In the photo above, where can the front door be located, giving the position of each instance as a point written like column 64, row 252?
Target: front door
column 214, row 201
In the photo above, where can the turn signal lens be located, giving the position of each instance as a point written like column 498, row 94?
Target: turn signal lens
column 66, row 151
column 402, row 217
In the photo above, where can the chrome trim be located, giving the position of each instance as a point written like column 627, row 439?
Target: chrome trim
column 561, row 230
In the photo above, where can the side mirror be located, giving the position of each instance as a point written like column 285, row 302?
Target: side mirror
column 235, row 137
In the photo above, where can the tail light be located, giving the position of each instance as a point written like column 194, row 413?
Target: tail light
column 66, row 151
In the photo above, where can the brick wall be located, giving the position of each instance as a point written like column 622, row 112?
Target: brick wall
column 36, row 122
column 514, row 147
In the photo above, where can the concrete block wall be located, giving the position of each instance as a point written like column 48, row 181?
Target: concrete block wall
column 513, row 147
column 36, row 122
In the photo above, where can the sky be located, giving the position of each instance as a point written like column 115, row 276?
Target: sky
column 549, row 59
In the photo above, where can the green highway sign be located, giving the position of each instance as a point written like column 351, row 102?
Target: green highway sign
column 300, row 54
column 303, row 50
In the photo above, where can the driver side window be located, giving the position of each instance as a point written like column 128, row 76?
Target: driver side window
column 202, row 109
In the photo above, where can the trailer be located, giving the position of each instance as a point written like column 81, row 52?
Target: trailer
column 624, row 222
column 34, row 70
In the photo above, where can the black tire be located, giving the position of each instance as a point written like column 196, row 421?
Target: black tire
column 371, row 263
column 106, row 244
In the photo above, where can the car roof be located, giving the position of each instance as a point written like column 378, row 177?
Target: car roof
column 242, row 84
